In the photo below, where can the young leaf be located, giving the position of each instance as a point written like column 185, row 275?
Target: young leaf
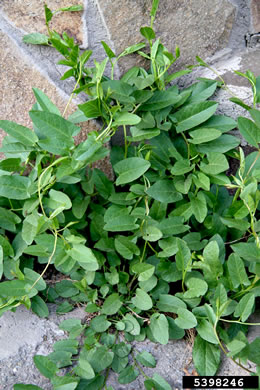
column 108, row 50
column 148, row 33
column 130, row 169
column 206, row 331
column 206, row 357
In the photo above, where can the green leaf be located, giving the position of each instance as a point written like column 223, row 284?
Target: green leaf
column 72, row 8
column 197, row 288
column 46, row 367
column 68, row 345
column 221, row 122
column 130, row 169
column 217, row 163
column 127, row 375
column 60, row 199
column 154, row 8
column 151, row 233
column 36, row 39
column 186, row 319
column 66, row 289
column 14, row 288
column 181, row 167
column 91, row 109
column 164, row 191
column 144, row 271
column 100, row 324
column 10, row 164
column 100, row 358
column 54, row 126
column 126, row 118
column 21, row 133
column 112, row 304
column 8, row 220
column 132, row 49
column 170, row 303
column 160, row 328
column 206, row 357
column 161, row 99
column 132, row 326
column 30, row 228
column 238, row 224
column 183, row 256
column 249, row 131
column 193, row 115
column 246, row 250
column 237, row 272
column 84, row 369
column 14, row 187
column 84, row 256
column 44, row 102
column 121, row 223
column 204, row 134
column 199, row 206
column 220, row 145
column 142, row 300
column 245, row 307
column 254, row 351
column 146, row 359
column 108, row 50
column 39, row 307
column 1, row 262
column 206, row 331
column 157, row 383
column 20, row 386
column 255, row 112
column 126, row 248
column 147, row 32
column 48, row 14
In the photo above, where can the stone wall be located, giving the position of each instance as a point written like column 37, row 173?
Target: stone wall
column 212, row 29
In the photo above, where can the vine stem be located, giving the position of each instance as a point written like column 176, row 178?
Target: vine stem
column 241, row 323
column 225, row 352
column 55, row 233
column 73, row 92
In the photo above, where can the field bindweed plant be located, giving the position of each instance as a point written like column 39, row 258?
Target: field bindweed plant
column 164, row 248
